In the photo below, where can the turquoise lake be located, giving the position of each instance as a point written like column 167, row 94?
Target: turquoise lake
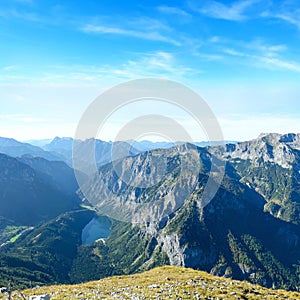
column 97, row 228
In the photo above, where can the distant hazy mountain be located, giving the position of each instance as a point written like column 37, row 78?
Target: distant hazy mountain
column 14, row 148
column 56, row 173
column 38, row 143
column 149, row 145
column 103, row 150
column 28, row 195
column 63, row 146
column 146, row 145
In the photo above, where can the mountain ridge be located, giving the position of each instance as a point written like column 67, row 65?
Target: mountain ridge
column 15, row 148
column 163, row 283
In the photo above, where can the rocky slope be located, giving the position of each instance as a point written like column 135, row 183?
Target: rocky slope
column 148, row 187
column 271, row 166
column 162, row 283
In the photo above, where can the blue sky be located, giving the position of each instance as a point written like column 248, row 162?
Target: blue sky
column 242, row 57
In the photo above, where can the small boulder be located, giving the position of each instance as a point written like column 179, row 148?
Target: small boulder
column 40, row 297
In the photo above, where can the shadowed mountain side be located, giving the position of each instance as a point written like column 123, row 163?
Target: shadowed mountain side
column 27, row 196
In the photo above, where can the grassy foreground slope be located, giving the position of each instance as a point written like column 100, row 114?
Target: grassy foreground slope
column 163, row 283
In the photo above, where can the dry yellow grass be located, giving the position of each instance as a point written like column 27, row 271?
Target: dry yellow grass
column 162, row 283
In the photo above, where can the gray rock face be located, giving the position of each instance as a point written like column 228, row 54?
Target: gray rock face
column 172, row 247
column 149, row 187
column 270, row 165
column 267, row 148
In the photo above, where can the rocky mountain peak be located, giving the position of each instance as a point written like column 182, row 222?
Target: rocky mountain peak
column 267, row 148
column 61, row 141
column 292, row 139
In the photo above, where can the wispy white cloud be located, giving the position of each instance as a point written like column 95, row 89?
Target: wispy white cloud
column 161, row 64
column 276, row 63
column 294, row 20
column 155, row 64
column 287, row 16
column 265, row 61
column 234, row 52
column 215, row 39
column 209, row 56
column 287, row 11
column 258, row 45
column 237, row 11
column 148, row 24
column 254, row 53
column 259, row 54
column 153, row 30
column 254, row 48
column 171, row 10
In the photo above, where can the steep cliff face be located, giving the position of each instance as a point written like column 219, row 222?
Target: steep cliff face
column 147, row 188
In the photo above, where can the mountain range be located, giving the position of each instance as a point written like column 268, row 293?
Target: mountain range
column 156, row 207
column 15, row 148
